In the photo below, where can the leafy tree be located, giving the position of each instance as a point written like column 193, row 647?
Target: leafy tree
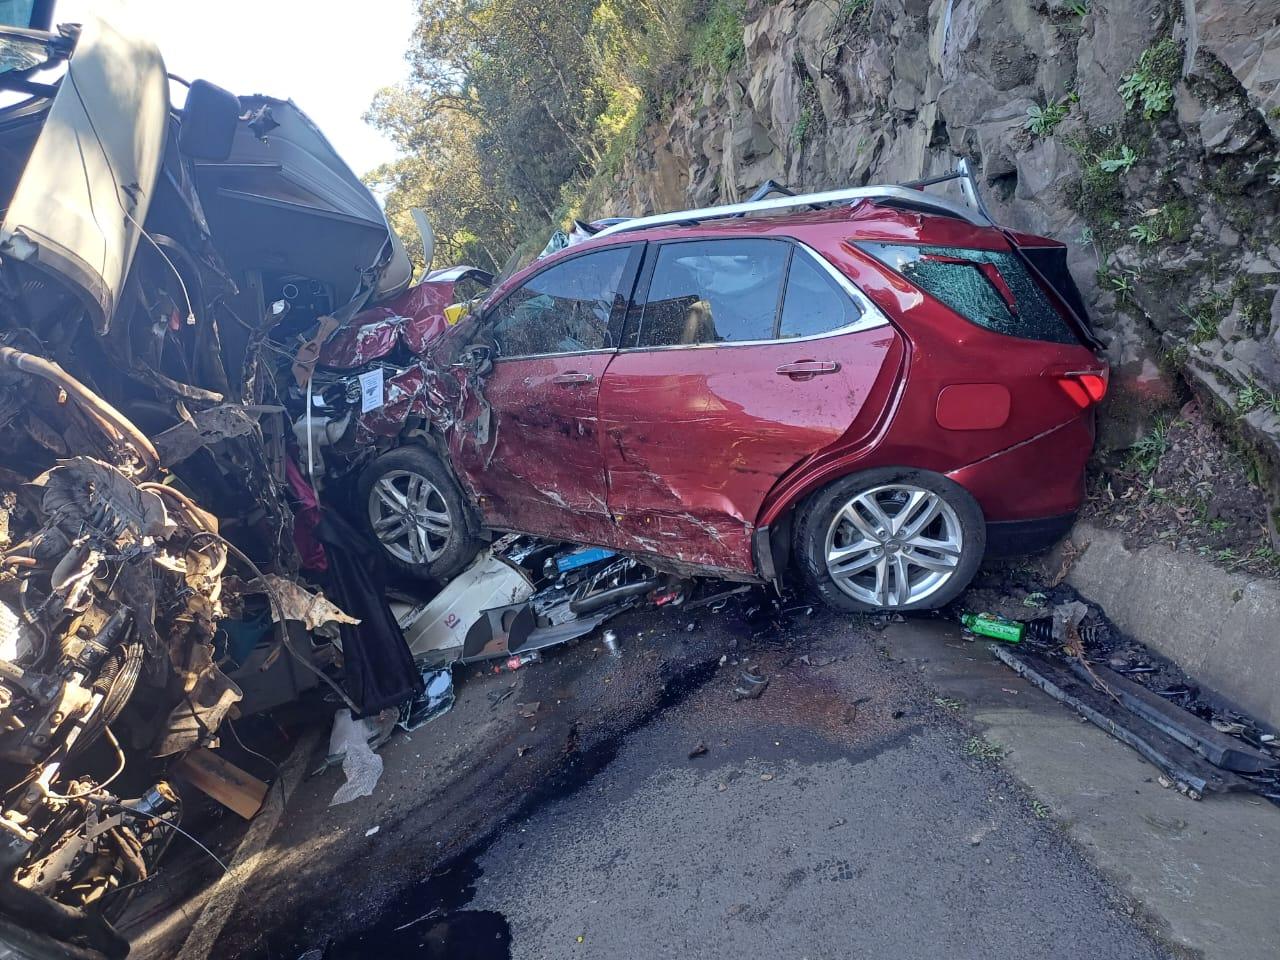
column 511, row 103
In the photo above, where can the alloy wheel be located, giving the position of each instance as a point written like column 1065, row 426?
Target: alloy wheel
column 893, row 545
column 409, row 516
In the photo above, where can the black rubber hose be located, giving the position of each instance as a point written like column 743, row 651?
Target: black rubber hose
column 58, row 920
column 92, row 404
column 596, row 601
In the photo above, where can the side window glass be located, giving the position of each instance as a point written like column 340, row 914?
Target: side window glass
column 814, row 302
column 713, row 291
column 563, row 309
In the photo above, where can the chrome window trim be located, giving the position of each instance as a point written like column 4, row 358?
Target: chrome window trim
column 548, row 356
column 872, row 317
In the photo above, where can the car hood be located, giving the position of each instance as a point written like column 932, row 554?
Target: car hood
column 285, row 200
column 76, row 214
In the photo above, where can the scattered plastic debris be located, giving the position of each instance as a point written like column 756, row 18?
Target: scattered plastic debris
column 1007, row 631
column 1174, row 743
column 351, row 743
column 751, row 684
column 435, row 700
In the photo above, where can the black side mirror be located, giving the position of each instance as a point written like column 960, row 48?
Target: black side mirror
column 208, row 122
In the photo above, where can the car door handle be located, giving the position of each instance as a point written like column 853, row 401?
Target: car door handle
column 573, row 379
column 807, row 368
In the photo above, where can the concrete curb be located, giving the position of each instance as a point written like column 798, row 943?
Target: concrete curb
column 1222, row 628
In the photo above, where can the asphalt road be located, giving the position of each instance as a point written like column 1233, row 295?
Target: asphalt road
column 844, row 813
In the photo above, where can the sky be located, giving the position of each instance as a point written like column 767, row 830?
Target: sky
column 314, row 52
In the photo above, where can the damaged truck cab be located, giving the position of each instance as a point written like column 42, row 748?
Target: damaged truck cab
column 168, row 274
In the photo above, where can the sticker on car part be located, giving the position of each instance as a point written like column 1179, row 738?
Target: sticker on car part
column 371, row 390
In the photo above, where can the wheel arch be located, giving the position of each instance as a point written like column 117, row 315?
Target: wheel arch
column 966, row 519
column 429, row 437
column 773, row 545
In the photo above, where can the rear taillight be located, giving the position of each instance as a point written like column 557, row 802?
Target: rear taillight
column 1084, row 387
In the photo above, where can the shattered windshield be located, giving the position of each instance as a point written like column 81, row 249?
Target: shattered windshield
column 22, row 53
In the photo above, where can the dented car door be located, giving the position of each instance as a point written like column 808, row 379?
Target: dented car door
column 741, row 359
column 538, row 466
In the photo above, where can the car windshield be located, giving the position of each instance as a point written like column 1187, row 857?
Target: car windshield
column 22, row 53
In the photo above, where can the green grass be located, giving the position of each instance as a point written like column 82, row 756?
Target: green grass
column 1122, row 285
column 800, row 131
column 978, row 748
column 854, row 11
column 1148, row 232
column 717, row 43
column 1253, row 396
column 1145, row 454
column 1205, row 316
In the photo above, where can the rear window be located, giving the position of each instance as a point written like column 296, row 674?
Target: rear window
column 988, row 287
column 814, row 303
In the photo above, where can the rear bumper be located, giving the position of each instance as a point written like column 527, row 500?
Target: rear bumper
column 1038, row 478
column 1011, row 537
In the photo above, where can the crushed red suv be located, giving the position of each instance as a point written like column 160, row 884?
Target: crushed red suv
column 869, row 388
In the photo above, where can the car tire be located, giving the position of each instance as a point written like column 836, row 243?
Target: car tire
column 890, row 539
column 412, row 505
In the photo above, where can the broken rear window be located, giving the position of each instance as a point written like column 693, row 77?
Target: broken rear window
column 988, row 287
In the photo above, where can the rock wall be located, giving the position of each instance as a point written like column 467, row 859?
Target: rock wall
column 1171, row 201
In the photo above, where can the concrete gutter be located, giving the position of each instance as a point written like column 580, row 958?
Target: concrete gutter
column 1222, row 628
column 1201, row 873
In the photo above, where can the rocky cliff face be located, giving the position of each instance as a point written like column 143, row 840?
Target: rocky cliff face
column 1150, row 147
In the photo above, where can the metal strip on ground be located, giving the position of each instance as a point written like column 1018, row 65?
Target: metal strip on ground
column 225, row 895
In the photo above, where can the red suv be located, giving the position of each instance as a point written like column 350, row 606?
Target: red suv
column 869, row 388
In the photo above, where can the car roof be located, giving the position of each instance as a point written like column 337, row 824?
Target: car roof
column 866, row 219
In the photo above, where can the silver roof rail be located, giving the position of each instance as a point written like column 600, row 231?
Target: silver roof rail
column 901, row 195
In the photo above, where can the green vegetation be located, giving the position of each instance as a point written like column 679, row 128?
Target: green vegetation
column 717, row 43
column 854, row 11
column 512, row 107
column 1170, row 222
column 1147, row 232
column 1254, row 304
column 811, row 119
column 1253, row 396
column 1205, row 315
column 1144, row 456
column 1099, row 197
column 1121, row 284
column 1150, row 85
column 1119, row 159
column 1043, row 120
column 800, row 132
column 979, row 748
